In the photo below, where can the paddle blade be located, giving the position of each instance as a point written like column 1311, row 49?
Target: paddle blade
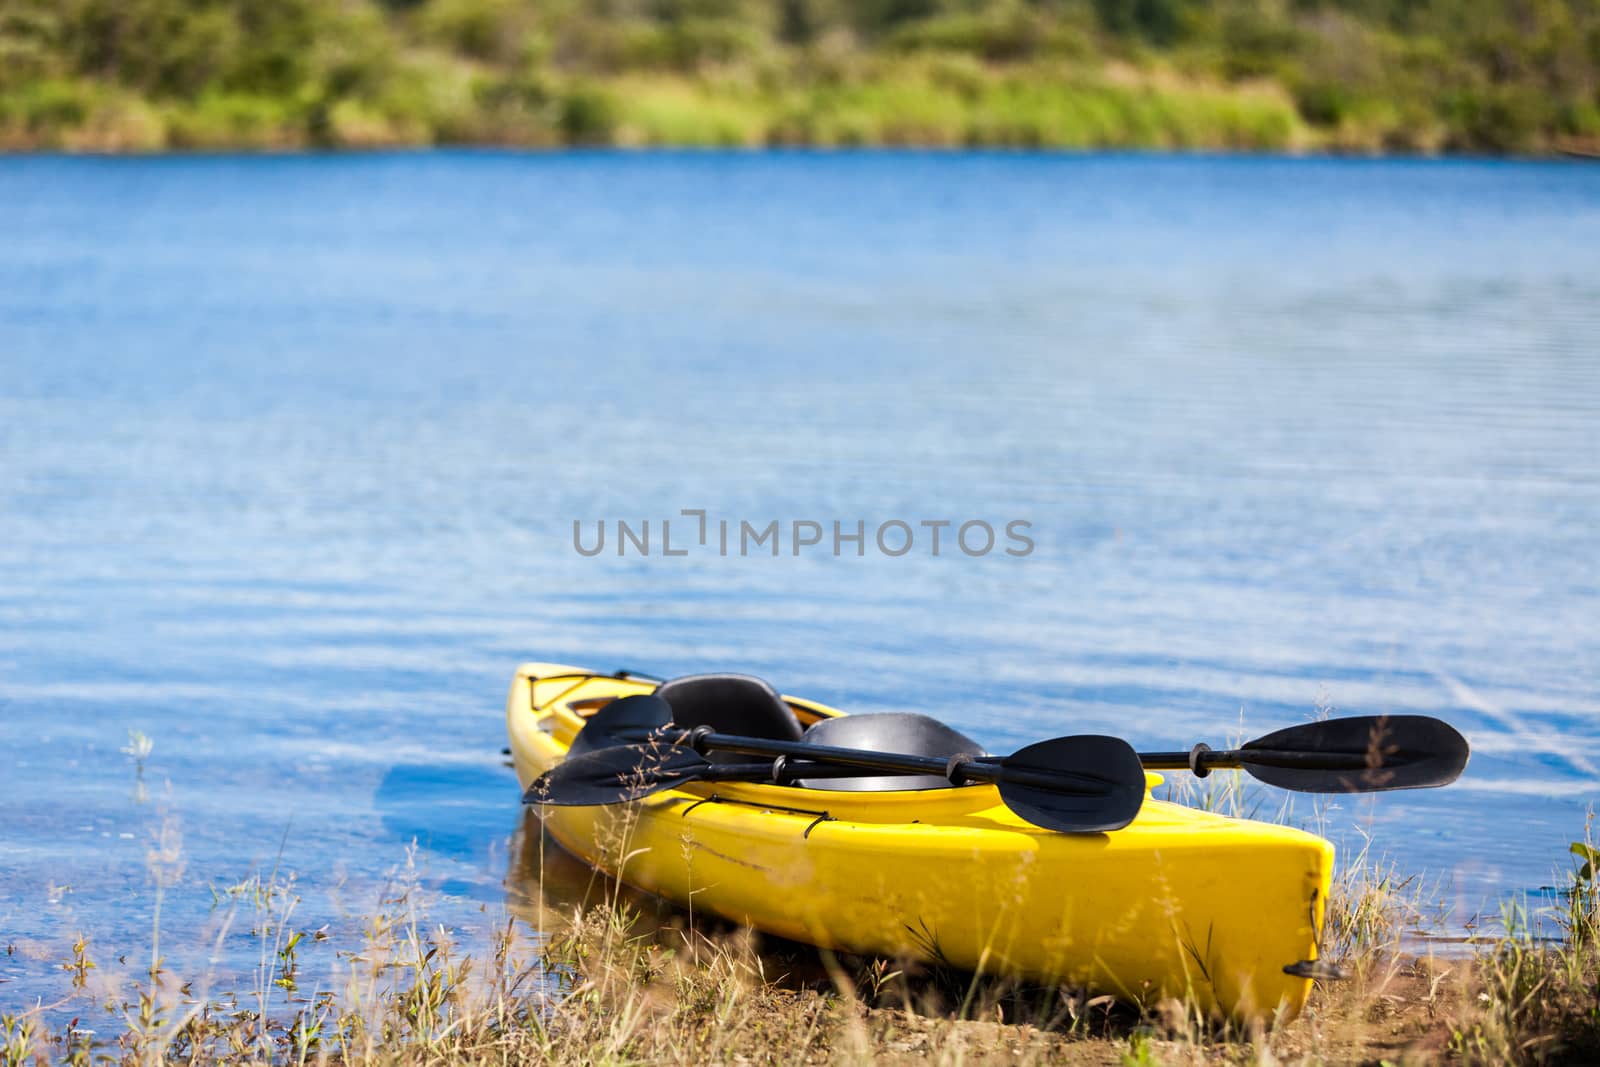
column 641, row 712
column 1362, row 754
column 616, row 775
column 1085, row 784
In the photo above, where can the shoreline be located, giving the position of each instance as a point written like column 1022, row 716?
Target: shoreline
column 494, row 149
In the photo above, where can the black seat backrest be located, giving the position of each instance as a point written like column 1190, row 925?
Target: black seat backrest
column 895, row 731
column 730, row 704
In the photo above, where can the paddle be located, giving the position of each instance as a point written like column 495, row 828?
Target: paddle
column 1072, row 784
column 623, row 720
column 1360, row 754
column 1081, row 784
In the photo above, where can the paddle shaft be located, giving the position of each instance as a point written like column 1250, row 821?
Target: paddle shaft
column 1202, row 759
column 784, row 773
column 958, row 770
column 1155, row 761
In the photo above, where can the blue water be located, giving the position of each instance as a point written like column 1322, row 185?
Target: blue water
column 291, row 450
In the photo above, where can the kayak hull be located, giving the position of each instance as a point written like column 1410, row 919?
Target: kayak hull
column 1181, row 903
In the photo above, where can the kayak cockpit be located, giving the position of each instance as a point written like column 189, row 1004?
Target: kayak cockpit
column 907, row 732
column 731, row 704
column 745, row 705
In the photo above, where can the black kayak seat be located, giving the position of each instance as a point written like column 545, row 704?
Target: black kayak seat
column 893, row 731
column 730, row 704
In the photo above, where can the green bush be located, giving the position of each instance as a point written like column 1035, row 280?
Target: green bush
column 1497, row 119
column 487, row 30
column 710, row 42
column 236, row 120
column 587, row 115
column 30, row 42
column 1001, row 37
column 79, row 116
column 47, row 106
column 689, row 116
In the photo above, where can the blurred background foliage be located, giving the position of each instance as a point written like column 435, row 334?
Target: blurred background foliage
column 1501, row 76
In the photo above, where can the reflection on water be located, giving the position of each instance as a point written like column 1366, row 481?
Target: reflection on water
column 290, row 449
column 542, row 873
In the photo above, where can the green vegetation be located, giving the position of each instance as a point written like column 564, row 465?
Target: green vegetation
column 1517, row 76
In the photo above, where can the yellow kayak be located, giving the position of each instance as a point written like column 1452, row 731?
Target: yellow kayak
column 1180, row 903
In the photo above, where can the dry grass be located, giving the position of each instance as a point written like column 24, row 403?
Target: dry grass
column 586, row 972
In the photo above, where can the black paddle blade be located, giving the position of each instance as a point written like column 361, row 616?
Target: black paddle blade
column 616, row 775
column 1085, row 784
column 1363, row 754
column 630, row 714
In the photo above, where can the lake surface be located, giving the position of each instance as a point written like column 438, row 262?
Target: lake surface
column 291, row 451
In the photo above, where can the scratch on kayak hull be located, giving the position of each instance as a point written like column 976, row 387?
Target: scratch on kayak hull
column 731, row 859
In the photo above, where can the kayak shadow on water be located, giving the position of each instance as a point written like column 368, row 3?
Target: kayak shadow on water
column 456, row 814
